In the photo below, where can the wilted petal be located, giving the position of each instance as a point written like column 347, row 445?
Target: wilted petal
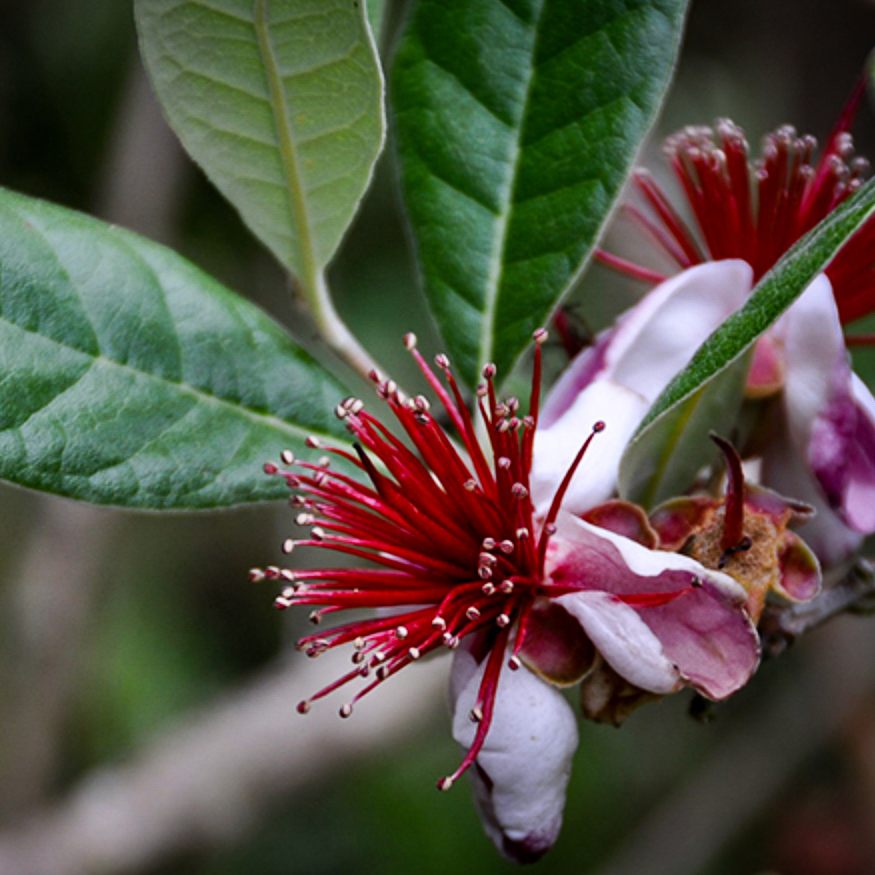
column 523, row 768
column 675, row 520
column 623, row 518
column 619, row 379
column 554, row 645
column 695, row 613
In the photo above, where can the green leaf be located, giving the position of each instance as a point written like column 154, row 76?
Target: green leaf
column 376, row 10
column 662, row 462
column 280, row 102
column 517, row 123
column 130, row 377
column 675, row 426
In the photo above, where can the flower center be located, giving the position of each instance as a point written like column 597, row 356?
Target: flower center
column 448, row 532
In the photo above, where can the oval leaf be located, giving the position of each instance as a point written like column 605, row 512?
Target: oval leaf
column 517, row 123
column 280, row 102
column 376, row 13
column 132, row 378
column 652, row 467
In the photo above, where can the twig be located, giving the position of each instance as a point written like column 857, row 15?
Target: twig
column 204, row 784
column 743, row 775
column 55, row 590
column 49, row 611
column 781, row 626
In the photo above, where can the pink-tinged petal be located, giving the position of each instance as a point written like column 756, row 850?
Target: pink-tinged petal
column 522, row 771
column 694, row 612
column 800, row 575
column 786, row 470
column 583, row 556
column 623, row 518
column 842, row 453
column 658, row 337
column 624, row 640
column 715, row 645
column 767, row 370
column 554, row 645
column 830, row 412
column 619, row 379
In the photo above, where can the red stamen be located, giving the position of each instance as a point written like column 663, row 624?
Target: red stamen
column 449, row 538
column 550, row 519
column 757, row 211
column 629, row 268
column 860, row 339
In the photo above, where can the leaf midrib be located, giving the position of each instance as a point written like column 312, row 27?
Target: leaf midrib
column 294, row 189
column 200, row 395
column 493, row 284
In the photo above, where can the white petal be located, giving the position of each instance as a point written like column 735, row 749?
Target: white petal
column 830, row 413
column 525, row 760
column 659, row 336
column 555, row 448
column 813, row 345
column 624, row 640
column 619, row 379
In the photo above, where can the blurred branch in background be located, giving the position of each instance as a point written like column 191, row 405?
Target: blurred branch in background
column 144, row 181
column 50, row 602
column 204, row 784
column 743, row 776
column 53, row 593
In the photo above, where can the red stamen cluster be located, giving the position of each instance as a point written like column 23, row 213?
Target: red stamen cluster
column 757, row 211
column 452, row 534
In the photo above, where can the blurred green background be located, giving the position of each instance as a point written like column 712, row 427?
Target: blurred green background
column 124, row 636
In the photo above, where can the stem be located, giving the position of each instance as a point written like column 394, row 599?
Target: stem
column 333, row 329
column 854, row 592
column 309, row 272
